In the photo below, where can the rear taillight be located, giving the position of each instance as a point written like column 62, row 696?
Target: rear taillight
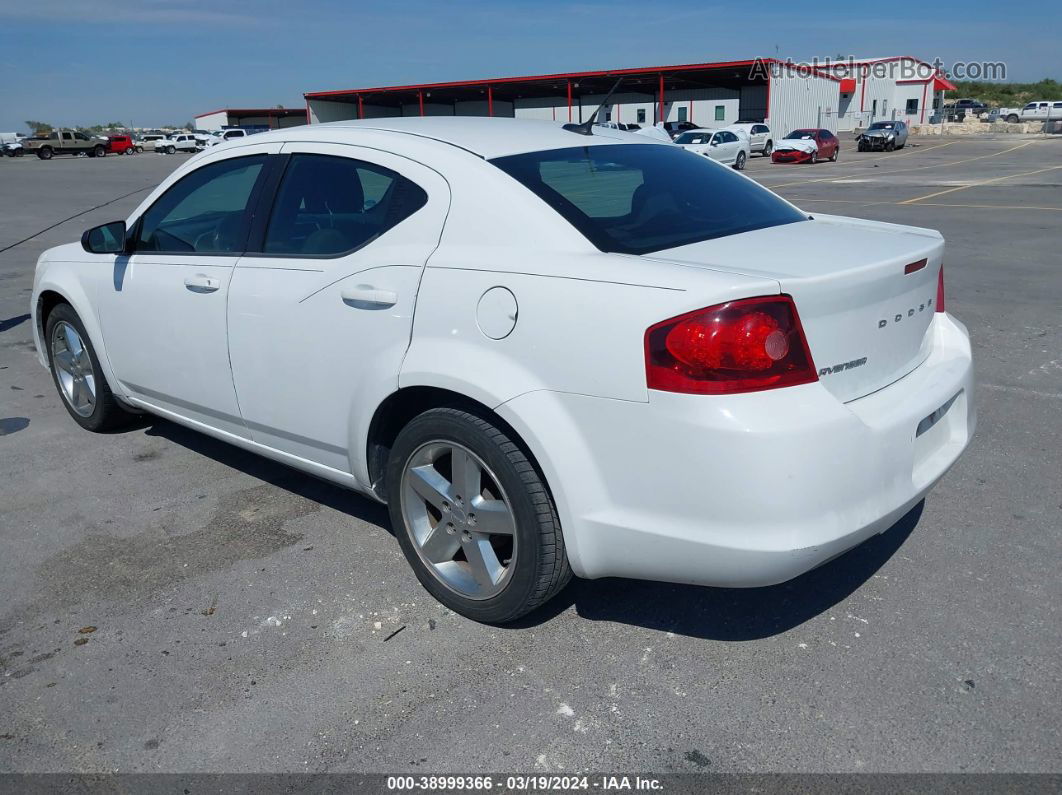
column 740, row 346
column 940, row 290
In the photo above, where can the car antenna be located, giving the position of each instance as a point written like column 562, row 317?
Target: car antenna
column 584, row 128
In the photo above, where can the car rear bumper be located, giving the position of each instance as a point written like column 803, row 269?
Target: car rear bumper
column 746, row 490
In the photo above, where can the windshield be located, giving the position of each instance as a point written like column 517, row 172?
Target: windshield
column 639, row 198
column 805, row 135
column 693, row 138
column 881, row 125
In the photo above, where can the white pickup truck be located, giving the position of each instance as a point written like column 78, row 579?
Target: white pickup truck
column 1040, row 110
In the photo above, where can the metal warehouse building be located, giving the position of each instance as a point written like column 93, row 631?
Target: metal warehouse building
column 250, row 118
column 837, row 95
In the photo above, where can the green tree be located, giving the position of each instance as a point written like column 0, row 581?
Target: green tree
column 38, row 127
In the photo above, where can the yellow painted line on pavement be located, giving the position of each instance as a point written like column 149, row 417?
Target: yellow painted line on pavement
column 939, row 204
column 906, row 170
column 979, row 184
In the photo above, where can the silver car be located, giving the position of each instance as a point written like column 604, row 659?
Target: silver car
column 884, row 136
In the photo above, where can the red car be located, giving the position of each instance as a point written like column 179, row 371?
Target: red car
column 121, row 145
column 806, row 146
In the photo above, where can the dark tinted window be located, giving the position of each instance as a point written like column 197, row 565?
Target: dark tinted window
column 205, row 212
column 332, row 205
column 637, row 198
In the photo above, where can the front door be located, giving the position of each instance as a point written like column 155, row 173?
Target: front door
column 320, row 319
column 164, row 312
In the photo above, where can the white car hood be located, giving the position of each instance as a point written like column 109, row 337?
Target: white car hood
column 799, row 144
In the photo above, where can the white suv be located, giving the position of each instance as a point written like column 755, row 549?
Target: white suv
column 180, row 142
column 759, row 135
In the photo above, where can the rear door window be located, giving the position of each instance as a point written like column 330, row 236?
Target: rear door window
column 327, row 206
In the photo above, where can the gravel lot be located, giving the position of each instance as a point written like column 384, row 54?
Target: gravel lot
column 245, row 614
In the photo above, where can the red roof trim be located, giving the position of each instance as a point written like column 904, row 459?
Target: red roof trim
column 943, row 84
column 547, row 77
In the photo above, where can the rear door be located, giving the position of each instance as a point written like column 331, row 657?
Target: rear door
column 320, row 317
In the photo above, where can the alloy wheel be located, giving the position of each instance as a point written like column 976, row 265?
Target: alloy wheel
column 73, row 369
column 459, row 519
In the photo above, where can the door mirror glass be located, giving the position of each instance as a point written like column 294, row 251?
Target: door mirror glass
column 105, row 239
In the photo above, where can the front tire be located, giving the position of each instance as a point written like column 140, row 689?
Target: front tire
column 814, row 158
column 835, row 155
column 1013, row 118
column 77, row 374
column 473, row 517
column 45, row 153
column 170, row 150
column 739, row 161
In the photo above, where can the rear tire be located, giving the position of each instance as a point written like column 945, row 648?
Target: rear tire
column 524, row 560
column 98, row 151
column 768, row 148
column 77, row 374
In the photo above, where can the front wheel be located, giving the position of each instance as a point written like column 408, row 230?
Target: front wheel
column 889, row 146
column 473, row 517
column 814, row 158
column 739, row 161
column 77, row 374
column 835, row 155
column 1013, row 118
column 45, row 153
column 171, row 150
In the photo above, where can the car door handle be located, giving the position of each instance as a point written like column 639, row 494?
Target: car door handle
column 365, row 296
column 201, row 283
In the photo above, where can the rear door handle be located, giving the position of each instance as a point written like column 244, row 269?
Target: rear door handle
column 366, row 296
column 201, row 283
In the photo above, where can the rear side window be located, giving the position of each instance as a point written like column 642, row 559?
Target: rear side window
column 206, row 212
column 327, row 206
column 639, row 198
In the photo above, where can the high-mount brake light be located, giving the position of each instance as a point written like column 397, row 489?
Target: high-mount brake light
column 740, row 346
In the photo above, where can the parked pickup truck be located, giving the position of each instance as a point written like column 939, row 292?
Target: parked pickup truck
column 1040, row 110
column 64, row 142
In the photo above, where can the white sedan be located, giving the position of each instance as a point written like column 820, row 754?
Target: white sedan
column 547, row 352
column 729, row 147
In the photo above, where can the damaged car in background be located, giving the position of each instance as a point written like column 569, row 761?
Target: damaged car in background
column 883, row 136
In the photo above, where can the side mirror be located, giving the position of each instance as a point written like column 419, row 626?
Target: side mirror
column 715, row 143
column 105, row 239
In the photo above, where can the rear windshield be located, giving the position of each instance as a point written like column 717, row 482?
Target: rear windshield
column 639, row 198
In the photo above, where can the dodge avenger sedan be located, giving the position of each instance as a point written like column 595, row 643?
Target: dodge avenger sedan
column 548, row 352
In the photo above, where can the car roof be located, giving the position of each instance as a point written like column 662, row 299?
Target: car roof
column 483, row 136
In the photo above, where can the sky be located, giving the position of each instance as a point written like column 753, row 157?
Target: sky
column 155, row 62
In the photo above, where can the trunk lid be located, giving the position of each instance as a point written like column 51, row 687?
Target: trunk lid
column 866, row 320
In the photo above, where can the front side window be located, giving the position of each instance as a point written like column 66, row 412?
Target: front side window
column 206, row 212
column 327, row 206
column 640, row 198
column 693, row 138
